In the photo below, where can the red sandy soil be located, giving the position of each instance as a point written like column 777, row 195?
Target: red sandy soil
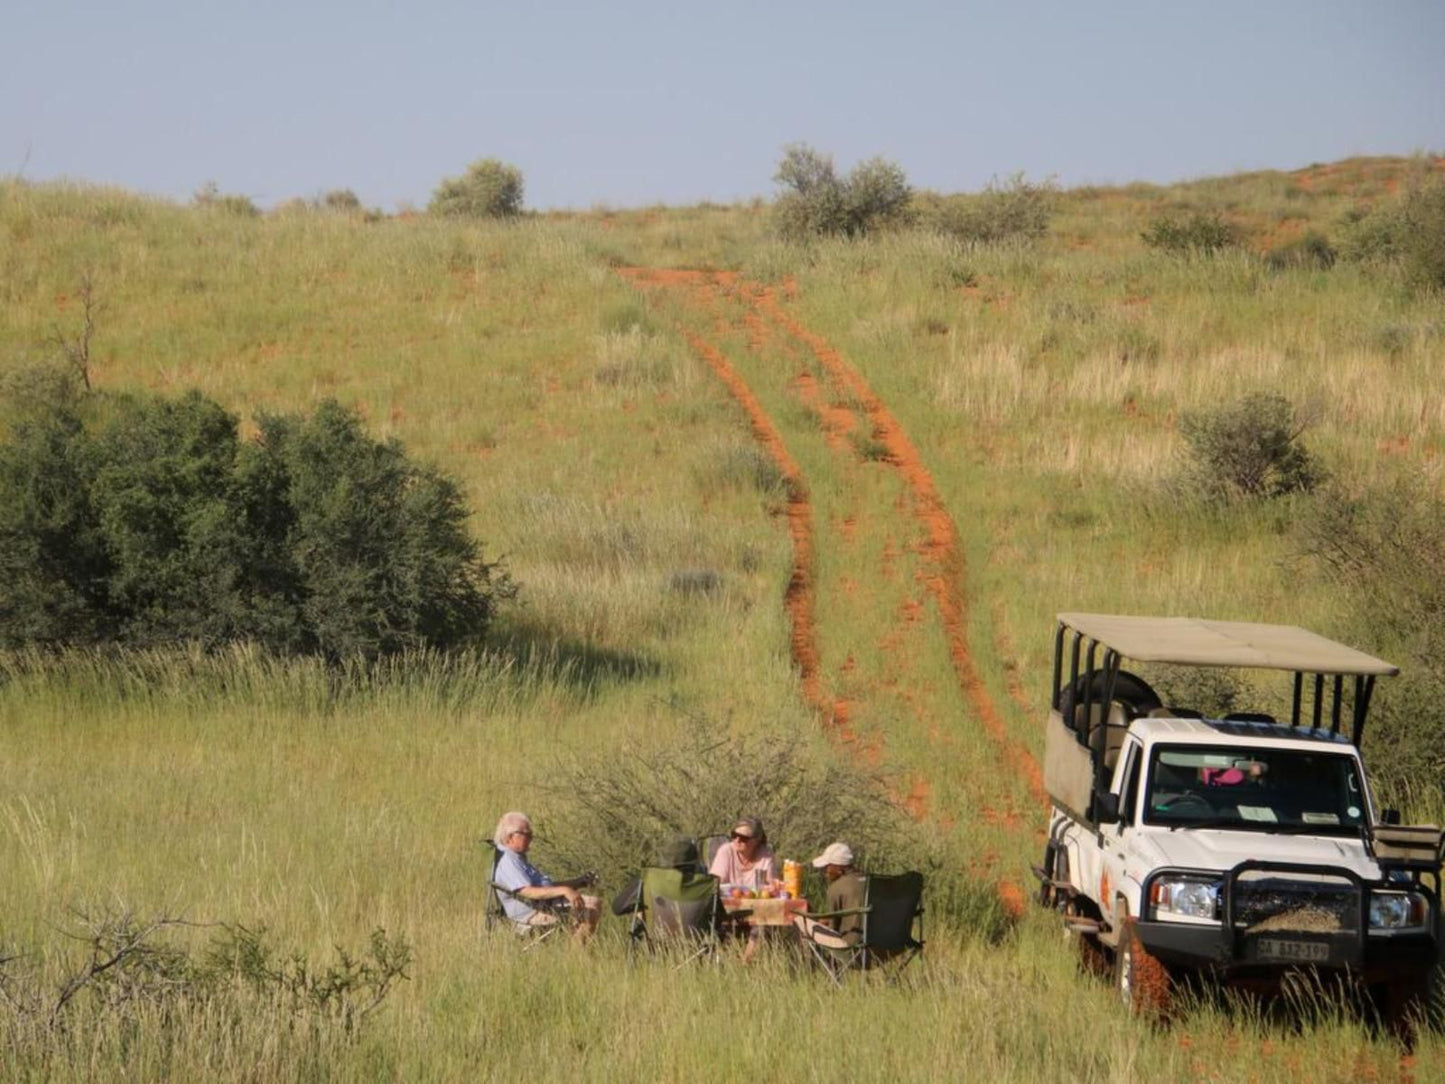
column 761, row 314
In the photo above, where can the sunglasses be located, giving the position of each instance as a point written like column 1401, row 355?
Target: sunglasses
column 744, row 838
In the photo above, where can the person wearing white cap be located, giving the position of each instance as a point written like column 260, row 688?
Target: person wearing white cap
column 847, row 891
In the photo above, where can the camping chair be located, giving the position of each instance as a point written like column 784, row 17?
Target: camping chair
column 709, row 848
column 892, row 930
column 677, row 908
column 498, row 919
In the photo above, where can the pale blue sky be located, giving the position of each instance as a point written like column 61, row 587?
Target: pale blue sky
column 639, row 101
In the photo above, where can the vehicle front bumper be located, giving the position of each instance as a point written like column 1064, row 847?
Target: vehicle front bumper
column 1230, row 955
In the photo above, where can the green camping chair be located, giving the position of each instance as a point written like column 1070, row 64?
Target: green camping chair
column 498, row 919
column 892, row 929
column 677, row 909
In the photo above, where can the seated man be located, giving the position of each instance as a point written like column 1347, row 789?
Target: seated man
column 523, row 882
column 847, row 890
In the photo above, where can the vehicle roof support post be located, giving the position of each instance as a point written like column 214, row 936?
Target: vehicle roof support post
column 1339, row 694
column 1058, row 664
column 1074, row 668
column 1364, row 689
column 1299, row 684
column 1319, row 708
column 1089, row 680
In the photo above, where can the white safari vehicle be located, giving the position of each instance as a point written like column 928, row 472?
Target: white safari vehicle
column 1241, row 847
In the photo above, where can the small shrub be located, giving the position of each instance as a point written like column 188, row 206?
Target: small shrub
column 1199, row 234
column 489, row 189
column 342, row 200
column 1248, row 449
column 818, row 203
column 1015, row 211
column 128, row 971
column 1312, row 252
column 210, row 196
column 610, row 809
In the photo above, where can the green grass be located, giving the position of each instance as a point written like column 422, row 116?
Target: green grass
column 604, row 461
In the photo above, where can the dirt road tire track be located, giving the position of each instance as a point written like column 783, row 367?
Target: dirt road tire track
column 941, row 551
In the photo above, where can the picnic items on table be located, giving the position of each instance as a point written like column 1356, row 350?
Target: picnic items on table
column 793, row 878
column 763, row 911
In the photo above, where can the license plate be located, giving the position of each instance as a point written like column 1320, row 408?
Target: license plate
column 1272, row 948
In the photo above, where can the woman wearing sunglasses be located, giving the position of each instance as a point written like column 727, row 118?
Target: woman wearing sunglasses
column 746, row 860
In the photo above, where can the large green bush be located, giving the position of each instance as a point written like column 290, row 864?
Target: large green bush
column 818, row 203
column 1382, row 548
column 143, row 520
column 1408, row 233
column 489, row 189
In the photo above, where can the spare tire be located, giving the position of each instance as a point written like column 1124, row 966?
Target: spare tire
column 1130, row 690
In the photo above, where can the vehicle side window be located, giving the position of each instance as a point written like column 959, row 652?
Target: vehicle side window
column 1130, row 790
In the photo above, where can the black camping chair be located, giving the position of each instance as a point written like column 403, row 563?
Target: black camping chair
column 677, row 909
column 891, row 934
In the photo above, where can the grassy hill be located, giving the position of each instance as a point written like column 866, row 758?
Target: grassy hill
column 960, row 441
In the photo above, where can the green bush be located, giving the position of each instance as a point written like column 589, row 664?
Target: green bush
column 143, row 520
column 489, row 189
column 1248, row 449
column 1312, row 252
column 1199, row 234
column 1383, row 550
column 1407, row 233
column 818, row 203
column 210, row 196
column 1015, row 211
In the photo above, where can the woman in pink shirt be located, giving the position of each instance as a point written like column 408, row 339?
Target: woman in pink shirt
column 747, row 860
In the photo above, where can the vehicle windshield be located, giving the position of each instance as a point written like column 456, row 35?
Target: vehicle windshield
column 1265, row 790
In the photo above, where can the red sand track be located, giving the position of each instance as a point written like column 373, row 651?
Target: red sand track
column 940, row 551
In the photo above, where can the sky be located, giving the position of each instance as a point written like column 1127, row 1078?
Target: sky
column 636, row 102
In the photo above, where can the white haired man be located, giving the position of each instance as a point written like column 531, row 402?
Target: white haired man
column 525, row 884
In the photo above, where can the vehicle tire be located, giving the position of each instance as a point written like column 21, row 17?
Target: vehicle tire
column 1143, row 982
column 1092, row 956
column 1405, row 1007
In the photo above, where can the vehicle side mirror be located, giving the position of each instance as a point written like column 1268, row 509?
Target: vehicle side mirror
column 1389, row 816
column 1106, row 807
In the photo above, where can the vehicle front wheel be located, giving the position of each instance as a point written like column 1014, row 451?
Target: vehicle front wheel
column 1144, row 983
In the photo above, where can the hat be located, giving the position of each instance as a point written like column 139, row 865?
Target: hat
column 750, row 827
column 675, row 852
column 835, row 854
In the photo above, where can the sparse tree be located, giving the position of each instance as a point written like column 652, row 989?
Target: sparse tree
column 489, row 189
column 818, row 203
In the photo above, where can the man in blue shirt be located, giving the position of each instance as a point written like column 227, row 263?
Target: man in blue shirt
column 525, row 884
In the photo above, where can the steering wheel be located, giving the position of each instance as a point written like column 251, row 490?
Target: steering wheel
column 1185, row 802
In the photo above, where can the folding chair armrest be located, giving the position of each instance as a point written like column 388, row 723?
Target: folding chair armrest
column 837, row 914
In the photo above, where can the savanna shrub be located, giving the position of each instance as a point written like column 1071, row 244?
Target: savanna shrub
column 489, row 189
column 1015, row 211
column 818, row 203
column 1312, row 252
column 1247, row 449
column 1382, row 548
column 142, row 520
column 343, row 200
column 210, row 195
column 1200, row 234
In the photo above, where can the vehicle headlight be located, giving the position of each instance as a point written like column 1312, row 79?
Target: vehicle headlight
column 1186, row 897
column 1398, row 910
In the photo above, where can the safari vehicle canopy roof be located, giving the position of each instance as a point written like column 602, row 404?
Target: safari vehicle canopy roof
column 1192, row 641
